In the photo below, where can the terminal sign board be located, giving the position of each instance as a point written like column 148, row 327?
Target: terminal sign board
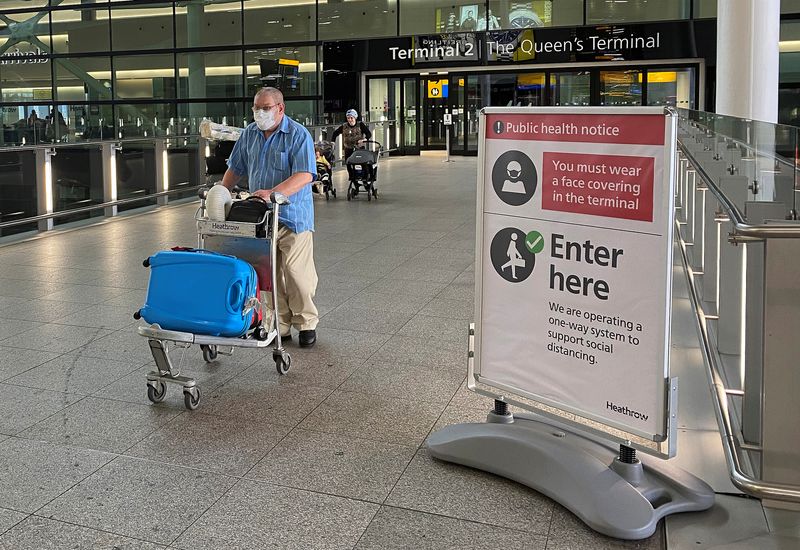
column 574, row 274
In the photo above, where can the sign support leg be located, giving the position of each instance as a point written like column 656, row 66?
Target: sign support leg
column 613, row 492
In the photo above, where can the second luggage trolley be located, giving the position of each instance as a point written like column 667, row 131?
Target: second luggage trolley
column 252, row 242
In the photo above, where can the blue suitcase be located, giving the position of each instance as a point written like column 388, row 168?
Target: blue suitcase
column 201, row 292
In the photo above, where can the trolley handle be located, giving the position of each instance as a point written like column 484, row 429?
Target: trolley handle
column 378, row 143
column 278, row 198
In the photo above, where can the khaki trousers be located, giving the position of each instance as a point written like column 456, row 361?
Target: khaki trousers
column 297, row 281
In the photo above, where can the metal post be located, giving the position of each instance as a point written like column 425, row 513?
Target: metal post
column 781, row 431
column 447, row 143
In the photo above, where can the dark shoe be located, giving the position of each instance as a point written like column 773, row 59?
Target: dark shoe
column 308, row 338
column 287, row 338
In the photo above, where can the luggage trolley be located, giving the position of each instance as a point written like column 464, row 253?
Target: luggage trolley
column 251, row 242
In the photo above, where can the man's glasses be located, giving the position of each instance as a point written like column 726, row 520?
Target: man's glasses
column 265, row 108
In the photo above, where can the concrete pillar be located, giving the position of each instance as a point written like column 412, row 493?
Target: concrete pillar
column 196, row 61
column 748, row 32
column 747, row 58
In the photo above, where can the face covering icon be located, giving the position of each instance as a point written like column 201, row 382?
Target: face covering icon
column 513, row 183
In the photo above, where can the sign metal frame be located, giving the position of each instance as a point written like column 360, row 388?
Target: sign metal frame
column 668, row 420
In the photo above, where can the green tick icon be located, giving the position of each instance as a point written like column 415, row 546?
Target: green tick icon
column 534, row 242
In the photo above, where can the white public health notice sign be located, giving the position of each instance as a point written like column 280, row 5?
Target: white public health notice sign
column 575, row 210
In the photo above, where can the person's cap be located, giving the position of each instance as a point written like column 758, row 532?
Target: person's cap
column 351, row 112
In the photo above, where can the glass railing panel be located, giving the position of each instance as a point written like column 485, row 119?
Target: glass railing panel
column 77, row 175
column 185, row 166
column 136, row 173
column 18, row 197
column 752, row 162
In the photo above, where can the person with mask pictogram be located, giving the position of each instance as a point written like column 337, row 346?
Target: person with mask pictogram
column 276, row 153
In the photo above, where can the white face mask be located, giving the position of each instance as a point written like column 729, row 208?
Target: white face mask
column 264, row 120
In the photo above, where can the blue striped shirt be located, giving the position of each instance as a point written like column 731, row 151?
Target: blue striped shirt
column 268, row 162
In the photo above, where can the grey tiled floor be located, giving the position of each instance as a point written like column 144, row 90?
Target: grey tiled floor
column 331, row 455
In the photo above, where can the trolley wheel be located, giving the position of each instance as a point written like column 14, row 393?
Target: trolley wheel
column 261, row 333
column 191, row 398
column 283, row 363
column 156, row 392
column 209, row 352
column 146, row 262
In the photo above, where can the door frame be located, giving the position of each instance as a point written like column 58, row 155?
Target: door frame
column 402, row 148
column 548, row 68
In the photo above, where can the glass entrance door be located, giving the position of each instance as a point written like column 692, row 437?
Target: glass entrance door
column 435, row 92
column 572, row 88
column 410, row 122
column 476, row 98
column 395, row 100
column 621, row 88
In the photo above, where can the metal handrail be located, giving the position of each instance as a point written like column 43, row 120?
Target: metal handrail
column 82, row 209
column 11, row 148
column 741, row 227
column 730, row 442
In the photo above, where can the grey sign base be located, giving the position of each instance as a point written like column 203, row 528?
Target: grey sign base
column 620, row 500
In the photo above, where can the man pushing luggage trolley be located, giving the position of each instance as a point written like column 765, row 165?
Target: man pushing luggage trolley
column 276, row 155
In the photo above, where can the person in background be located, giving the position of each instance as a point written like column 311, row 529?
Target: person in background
column 353, row 134
column 323, row 169
column 277, row 154
column 469, row 23
column 494, row 22
column 452, row 23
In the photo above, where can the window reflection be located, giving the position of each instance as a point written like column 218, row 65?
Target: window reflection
column 291, row 69
column 570, row 88
column 83, row 78
column 89, row 121
column 600, row 11
column 293, row 20
column 23, row 4
column 144, row 119
column 145, row 27
column 674, row 88
column 199, row 24
column 620, row 88
column 25, row 79
column 144, row 76
column 81, row 30
column 210, row 74
column 357, row 19
column 513, row 14
column 441, row 16
column 30, row 39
